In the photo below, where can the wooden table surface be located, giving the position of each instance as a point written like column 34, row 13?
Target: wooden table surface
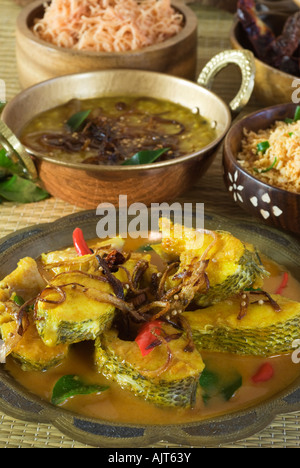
column 214, row 27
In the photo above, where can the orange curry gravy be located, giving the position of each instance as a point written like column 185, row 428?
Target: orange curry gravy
column 121, row 406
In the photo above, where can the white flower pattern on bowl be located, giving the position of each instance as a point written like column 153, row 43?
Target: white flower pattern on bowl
column 236, row 189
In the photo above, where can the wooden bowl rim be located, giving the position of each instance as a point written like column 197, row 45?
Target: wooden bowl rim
column 234, row 40
column 228, row 153
column 127, row 169
column 190, row 26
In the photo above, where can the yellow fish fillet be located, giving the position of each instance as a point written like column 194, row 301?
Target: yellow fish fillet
column 232, row 265
column 263, row 331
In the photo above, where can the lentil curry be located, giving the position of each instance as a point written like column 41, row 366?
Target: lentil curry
column 110, row 130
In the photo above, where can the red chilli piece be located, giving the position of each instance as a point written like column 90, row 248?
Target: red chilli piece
column 80, row 243
column 264, row 373
column 148, row 335
column 284, row 283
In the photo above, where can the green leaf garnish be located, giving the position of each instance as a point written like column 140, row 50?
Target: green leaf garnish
column 76, row 120
column 18, row 300
column 208, row 379
column 2, row 105
column 262, row 147
column 145, row 157
column 145, row 248
column 14, row 186
column 71, row 385
column 297, row 114
column 213, row 384
column 21, row 190
column 7, row 166
column 230, row 388
column 263, row 171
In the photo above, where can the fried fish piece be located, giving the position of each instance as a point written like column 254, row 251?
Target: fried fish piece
column 17, row 328
column 263, row 331
column 151, row 377
column 78, row 306
column 25, row 281
column 67, row 259
column 231, row 265
column 30, row 352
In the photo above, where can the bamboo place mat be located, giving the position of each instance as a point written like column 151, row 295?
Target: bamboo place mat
column 214, row 27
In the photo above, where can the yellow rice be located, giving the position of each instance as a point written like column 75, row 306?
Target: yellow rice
column 284, row 141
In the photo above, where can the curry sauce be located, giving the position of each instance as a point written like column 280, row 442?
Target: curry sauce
column 111, row 130
column 122, row 406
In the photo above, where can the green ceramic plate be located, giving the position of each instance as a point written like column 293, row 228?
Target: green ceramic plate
column 20, row 404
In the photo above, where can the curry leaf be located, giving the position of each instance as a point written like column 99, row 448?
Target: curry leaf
column 76, row 120
column 7, row 166
column 297, row 114
column 18, row 300
column 208, row 380
column 71, row 385
column 145, row 157
column 21, row 190
column 214, row 384
column 145, row 248
column 229, row 389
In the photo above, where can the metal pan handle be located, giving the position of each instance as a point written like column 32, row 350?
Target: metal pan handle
column 245, row 61
column 16, row 151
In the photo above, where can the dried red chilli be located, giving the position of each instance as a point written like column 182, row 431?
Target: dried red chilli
column 114, row 259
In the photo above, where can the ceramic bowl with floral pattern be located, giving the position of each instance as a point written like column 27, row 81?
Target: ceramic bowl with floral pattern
column 272, row 205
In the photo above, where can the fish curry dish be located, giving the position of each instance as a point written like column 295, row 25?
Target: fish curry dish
column 169, row 331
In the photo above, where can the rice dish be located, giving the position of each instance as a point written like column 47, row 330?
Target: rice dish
column 273, row 155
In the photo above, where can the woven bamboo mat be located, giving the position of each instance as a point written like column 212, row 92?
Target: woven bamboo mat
column 214, row 26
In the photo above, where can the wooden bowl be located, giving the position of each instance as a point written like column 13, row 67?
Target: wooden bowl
column 38, row 60
column 87, row 185
column 273, row 206
column 272, row 86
